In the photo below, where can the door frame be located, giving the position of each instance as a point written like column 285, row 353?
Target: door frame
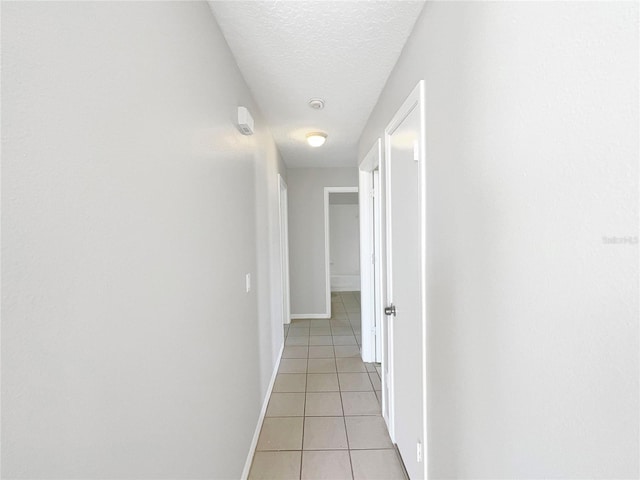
column 327, row 240
column 371, row 305
column 416, row 99
column 283, row 214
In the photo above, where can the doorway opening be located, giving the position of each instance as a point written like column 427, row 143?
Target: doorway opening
column 342, row 241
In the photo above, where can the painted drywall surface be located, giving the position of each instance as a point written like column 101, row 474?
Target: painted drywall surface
column 306, row 234
column 532, row 158
column 344, row 239
column 129, row 345
column 268, row 280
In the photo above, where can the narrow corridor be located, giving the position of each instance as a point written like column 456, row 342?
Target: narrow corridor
column 323, row 420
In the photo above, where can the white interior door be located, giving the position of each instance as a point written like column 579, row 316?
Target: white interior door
column 405, row 256
column 377, row 274
column 370, row 258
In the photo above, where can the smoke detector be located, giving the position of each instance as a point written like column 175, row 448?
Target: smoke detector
column 244, row 121
column 316, row 103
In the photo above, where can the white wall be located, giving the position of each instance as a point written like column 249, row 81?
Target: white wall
column 532, row 158
column 344, row 240
column 306, row 234
column 132, row 210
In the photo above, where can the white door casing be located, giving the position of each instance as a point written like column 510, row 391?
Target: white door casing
column 284, row 248
column 405, row 201
column 377, row 264
column 371, row 305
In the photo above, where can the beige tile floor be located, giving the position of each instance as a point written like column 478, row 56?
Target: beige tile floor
column 323, row 420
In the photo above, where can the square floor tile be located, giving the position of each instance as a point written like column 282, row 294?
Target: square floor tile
column 298, row 332
column 339, row 322
column 321, row 365
column 319, row 323
column 360, row 403
column 375, row 381
column 295, row 352
column 350, row 364
column 347, row 351
column 281, row 433
column 299, row 322
column 323, row 404
column 322, row 382
column 376, row 465
column 293, row 365
column 344, row 340
column 320, row 331
column 325, row 433
column 286, row 405
column 321, row 352
column 321, row 340
column 300, row 341
column 290, row 382
column 280, row 465
column 354, row 382
column 341, row 331
column 367, row 432
column 326, row 465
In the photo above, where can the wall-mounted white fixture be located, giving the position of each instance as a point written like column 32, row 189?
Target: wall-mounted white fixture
column 316, row 103
column 316, row 139
column 245, row 121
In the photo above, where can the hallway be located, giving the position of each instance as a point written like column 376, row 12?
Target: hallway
column 323, row 420
column 165, row 167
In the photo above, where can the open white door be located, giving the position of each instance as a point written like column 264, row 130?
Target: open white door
column 370, row 255
column 404, row 173
column 284, row 248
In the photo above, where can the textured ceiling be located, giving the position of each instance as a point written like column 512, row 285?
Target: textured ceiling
column 291, row 51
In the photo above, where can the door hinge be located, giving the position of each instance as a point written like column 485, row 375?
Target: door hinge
column 419, row 451
column 416, row 151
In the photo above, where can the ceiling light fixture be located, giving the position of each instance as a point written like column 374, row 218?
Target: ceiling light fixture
column 316, row 139
column 316, row 103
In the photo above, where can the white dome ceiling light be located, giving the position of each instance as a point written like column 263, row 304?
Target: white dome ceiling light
column 316, row 139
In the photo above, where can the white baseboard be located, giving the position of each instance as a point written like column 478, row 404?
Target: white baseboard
column 265, row 404
column 309, row 315
column 346, row 289
column 345, row 283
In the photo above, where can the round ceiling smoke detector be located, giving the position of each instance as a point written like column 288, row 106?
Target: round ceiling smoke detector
column 316, row 103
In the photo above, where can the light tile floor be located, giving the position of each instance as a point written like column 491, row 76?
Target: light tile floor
column 323, row 420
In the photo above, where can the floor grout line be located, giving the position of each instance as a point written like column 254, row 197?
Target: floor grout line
column 307, row 336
